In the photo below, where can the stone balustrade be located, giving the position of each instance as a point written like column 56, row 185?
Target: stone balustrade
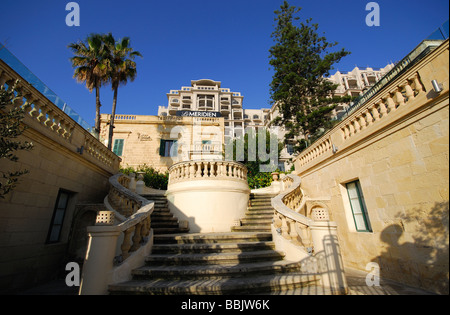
column 44, row 117
column 387, row 105
column 212, row 196
column 292, row 225
column 207, row 170
column 115, row 249
column 309, row 237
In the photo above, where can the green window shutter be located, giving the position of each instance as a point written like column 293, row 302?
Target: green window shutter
column 118, row 147
column 162, row 147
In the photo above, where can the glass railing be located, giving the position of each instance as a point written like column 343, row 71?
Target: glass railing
column 424, row 48
column 27, row 75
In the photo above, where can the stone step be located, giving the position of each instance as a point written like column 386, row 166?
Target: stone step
column 164, row 224
column 164, row 218
column 251, row 228
column 211, row 247
column 255, row 213
column 210, row 238
column 244, row 285
column 262, row 196
column 214, row 271
column 246, row 222
column 167, row 230
column 215, row 258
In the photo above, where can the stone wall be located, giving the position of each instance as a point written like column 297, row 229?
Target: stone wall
column 65, row 157
column 401, row 160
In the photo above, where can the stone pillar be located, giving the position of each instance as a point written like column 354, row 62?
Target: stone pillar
column 328, row 254
column 98, row 263
column 140, row 183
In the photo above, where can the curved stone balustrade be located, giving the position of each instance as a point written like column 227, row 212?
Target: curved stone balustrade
column 114, row 250
column 207, row 170
column 313, row 241
column 292, row 225
column 211, row 196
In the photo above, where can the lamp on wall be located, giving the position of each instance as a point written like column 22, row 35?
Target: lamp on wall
column 335, row 149
column 437, row 87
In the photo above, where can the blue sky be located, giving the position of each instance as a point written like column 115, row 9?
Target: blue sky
column 185, row 40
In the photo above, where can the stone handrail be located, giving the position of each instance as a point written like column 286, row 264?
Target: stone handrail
column 291, row 224
column 44, row 117
column 135, row 208
column 207, row 170
column 111, row 247
column 312, row 240
column 406, row 88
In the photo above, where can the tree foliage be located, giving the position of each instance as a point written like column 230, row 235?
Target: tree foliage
column 90, row 67
column 301, row 59
column 11, row 128
column 99, row 60
column 121, row 68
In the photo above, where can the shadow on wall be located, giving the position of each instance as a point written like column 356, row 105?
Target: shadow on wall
column 424, row 262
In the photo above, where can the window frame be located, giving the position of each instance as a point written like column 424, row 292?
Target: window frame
column 362, row 205
column 162, row 148
column 115, row 146
column 49, row 239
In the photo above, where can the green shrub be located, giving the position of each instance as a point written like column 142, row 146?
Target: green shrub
column 152, row 178
column 259, row 180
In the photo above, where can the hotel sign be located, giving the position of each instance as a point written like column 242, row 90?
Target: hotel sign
column 188, row 113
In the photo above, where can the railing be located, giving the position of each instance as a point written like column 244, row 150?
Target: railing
column 289, row 223
column 376, row 110
column 415, row 56
column 111, row 245
column 37, row 84
column 207, row 170
column 310, row 229
column 47, row 118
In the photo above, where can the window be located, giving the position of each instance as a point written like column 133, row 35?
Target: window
column 168, row 148
column 54, row 233
column 206, row 101
column 358, row 206
column 118, row 147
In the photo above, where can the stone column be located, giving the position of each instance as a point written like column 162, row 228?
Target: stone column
column 99, row 260
column 328, row 254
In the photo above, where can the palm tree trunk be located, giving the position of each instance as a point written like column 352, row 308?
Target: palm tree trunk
column 111, row 123
column 97, row 112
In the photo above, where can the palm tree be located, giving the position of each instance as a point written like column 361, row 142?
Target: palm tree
column 90, row 68
column 121, row 68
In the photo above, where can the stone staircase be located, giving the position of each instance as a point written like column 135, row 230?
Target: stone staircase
column 243, row 261
column 162, row 220
column 259, row 215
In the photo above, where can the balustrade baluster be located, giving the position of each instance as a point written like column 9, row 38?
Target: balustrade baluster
column 126, row 245
column 399, row 97
column 137, row 237
column 390, row 104
column 409, row 92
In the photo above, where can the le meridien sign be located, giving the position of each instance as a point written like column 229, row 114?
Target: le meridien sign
column 188, row 113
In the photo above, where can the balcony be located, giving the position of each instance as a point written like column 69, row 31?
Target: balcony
column 225, row 109
column 187, row 100
column 236, row 103
column 225, row 100
column 257, row 118
column 174, row 102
